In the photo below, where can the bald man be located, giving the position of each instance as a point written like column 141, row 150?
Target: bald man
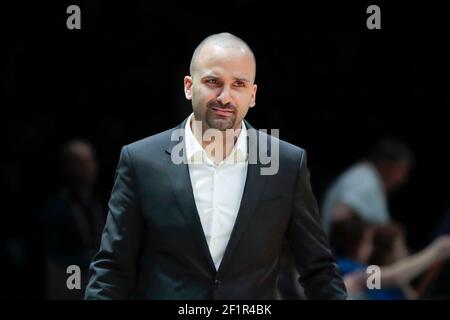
column 194, row 214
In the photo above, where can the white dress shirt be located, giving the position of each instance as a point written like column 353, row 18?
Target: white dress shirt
column 217, row 188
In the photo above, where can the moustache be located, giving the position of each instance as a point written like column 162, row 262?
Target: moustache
column 218, row 105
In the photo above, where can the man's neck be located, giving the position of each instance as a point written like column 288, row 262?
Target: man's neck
column 228, row 139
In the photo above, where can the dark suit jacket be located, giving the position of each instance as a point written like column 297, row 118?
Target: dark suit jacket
column 153, row 245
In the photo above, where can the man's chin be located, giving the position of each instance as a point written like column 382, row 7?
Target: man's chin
column 220, row 124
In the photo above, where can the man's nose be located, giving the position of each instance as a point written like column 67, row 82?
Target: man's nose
column 225, row 96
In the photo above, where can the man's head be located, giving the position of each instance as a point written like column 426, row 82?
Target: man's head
column 221, row 82
column 389, row 244
column 79, row 164
column 394, row 160
column 351, row 237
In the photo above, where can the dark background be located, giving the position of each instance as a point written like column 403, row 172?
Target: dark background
column 328, row 83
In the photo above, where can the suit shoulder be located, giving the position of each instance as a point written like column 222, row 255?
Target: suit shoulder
column 287, row 149
column 158, row 140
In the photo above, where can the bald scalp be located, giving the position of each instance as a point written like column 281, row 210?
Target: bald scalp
column 224, row 40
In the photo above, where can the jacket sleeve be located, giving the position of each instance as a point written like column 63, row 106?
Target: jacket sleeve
column 319, row 274
column 112, row 272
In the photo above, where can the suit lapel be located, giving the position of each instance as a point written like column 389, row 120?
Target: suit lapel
column 252, row 190
column 181, row 183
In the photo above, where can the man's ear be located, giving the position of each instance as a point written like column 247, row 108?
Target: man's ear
column 253, row 101
column 188, row 87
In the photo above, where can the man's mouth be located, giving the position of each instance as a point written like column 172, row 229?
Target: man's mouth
column 222, row 112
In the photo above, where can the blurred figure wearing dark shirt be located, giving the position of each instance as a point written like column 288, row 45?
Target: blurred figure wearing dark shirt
column 73, row 221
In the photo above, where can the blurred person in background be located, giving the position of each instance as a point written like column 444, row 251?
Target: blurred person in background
column 73, row 221
column 358, row 244
column 439, row 280
column 390, row 250
column 351, row 240
column 351, row 243
column 363, row 188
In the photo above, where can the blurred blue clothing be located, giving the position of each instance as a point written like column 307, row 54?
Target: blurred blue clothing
column 347, row 265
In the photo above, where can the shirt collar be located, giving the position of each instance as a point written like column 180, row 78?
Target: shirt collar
column 195, row 152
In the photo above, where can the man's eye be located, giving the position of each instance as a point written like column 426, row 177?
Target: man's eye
column 239, row 84
column 212, row 81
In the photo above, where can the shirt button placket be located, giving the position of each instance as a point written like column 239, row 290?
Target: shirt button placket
column 214, row 203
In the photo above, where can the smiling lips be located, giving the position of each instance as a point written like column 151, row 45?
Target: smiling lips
column 222, row 112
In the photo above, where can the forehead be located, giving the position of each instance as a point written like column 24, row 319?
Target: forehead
column 223, row 61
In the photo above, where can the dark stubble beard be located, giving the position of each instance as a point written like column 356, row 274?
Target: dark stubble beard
column 220, row 123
